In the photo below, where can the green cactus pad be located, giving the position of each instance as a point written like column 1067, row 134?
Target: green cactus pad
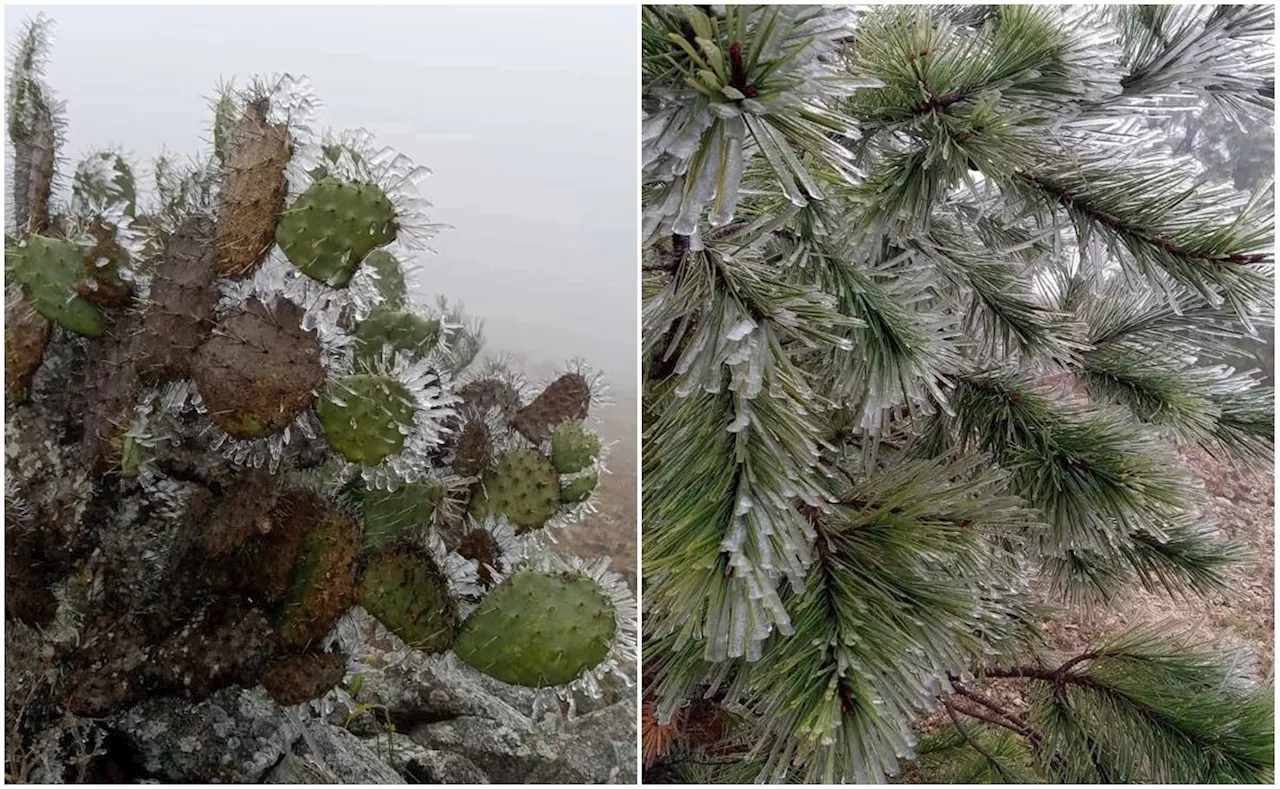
column 410, row 597
column 388, row 515
column 390, row 278
column 49, row 270
column 538, row 630
column 333, row 226
column 573, row 448
column 578, row 490
column 410, row 335
column 523, row 486
column 323, row 581
column 363, row 416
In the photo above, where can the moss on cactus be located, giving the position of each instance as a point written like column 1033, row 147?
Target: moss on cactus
column 538, row 629
column 409, row 595
column 365, row 417
column 523, row 486
column 333, row 225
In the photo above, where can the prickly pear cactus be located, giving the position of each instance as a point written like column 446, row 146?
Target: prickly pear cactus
column 538, row 629
column 328, row 231
column 225, row 431
column 48, row 269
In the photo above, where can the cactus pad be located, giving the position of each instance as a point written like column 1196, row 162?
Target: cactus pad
column 26, row 332
column 410, row 596
column 538, row 629
column 183, row 295
column 323, row 583
column 573, row 447
column 390, row 278
column 330, row 229
column 49, row 270
column 411, row 336
column 482, row 395
column 253, row 190
column 365, row 417
column 104, row 179
column 259, row 370
column 579, row 489
column 474, row 448
column 522, row 486
column 566, row 399
column 103, row 264
column 388, row 515
column 300, row 678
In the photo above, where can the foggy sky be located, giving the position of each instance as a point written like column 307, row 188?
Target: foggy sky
column 527, row 116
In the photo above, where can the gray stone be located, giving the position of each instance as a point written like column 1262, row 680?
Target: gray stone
column 420, row 765
column 330, row 754
column 235, row 736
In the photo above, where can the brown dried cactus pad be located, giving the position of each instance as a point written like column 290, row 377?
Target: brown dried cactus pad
column 253, row 191
column 566, row 399
column 298, row 678
column 183, row 295
column 103, row 262
column 225, row 646
column 243, row 512
column 485, row 393
column 26, row 333
column 323, row 583
column 259, row 370
column 474, row 449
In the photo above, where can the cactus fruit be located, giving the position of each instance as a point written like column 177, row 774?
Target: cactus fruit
column 484, row 394
column 259, row 370
column 300, row 678
column 410, row 597
column 49, row 270
column 474, row 447
column 390, row 273
column 365, row 417
column 323, row 581
column 523, row 486
column 565, row 400
column 183, row 295
column 579, row 489
column 26, row 332
column 333, row 225
column 573, row 448
column 253, row 190
column 389, row 515
column 410, row 336
column 538, row 629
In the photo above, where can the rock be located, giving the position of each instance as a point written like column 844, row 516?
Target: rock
column 419, row 765
column 235, row 736
column 330, row 754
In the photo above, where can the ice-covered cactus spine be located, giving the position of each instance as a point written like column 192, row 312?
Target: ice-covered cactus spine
column 257, row 378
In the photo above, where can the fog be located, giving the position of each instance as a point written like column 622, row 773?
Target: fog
column 527, row 116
